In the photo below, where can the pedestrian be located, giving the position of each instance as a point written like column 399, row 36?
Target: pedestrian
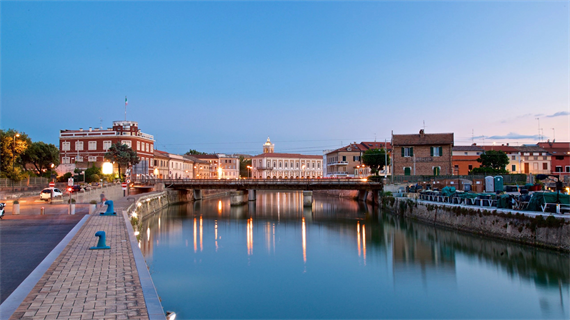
column 103, row 198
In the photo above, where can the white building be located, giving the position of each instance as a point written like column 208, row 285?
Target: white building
column 270, row 165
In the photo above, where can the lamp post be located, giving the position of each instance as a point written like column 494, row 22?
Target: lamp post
column 249, row 168
column 14, row 158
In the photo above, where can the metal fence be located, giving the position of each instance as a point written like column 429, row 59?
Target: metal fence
column 520, row 179
column 31, row 181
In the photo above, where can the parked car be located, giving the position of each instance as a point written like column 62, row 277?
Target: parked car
column 46, row 193
column 75, row 188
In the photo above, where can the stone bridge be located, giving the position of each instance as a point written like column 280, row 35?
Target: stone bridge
column 250, row 186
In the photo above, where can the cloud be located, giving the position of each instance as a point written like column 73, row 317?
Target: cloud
column 513, row 136
column 559, row 114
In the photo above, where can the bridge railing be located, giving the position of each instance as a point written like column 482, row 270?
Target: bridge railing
column 246, row 182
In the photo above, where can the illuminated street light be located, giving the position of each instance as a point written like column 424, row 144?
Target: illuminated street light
column 107, row 168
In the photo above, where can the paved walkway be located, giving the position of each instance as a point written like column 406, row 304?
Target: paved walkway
column 91, row 284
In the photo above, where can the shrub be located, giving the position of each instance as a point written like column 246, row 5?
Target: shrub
column 16, row 202
column 93, row 202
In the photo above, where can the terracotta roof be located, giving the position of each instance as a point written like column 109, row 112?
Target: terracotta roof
column 363, row 146
column 288, row 155
column 160, row 153
column 505, row 149
column 556, row 148
column 467, row 148
column 427, row 139
column 206, row 156
column 533, row 148
column 196, row 160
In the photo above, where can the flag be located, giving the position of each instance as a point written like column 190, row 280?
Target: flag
column 126, row 101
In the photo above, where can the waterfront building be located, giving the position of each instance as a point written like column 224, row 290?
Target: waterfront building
column 422, row 154
column 161, row 164
column 271, row 165
column 347, row 161
column 221, row 166
column 84, row 148
column 559, row 157
column 464, row 159
column 532, row 159
column 201, row 168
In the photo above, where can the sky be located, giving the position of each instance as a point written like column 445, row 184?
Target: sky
column 223, row 76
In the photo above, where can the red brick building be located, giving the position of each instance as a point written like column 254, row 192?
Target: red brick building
column 559, row 157
column 83, row 148
column 422, row 154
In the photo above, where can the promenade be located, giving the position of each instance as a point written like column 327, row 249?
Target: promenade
column 93, row 284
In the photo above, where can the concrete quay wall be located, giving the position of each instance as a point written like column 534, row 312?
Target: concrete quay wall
column 550, row 232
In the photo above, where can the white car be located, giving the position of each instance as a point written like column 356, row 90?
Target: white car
column 46, row 193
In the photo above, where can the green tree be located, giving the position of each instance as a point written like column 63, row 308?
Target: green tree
column 375, row 159
column 41, row 156
column 492, row 162
column 93, row 174
column 192, row 152
column 123, row 155
column 12, row 145
column 243, row 164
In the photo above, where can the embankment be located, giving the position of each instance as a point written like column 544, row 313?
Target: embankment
column 549, row 232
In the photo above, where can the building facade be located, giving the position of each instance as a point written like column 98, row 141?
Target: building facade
column 84, row 148
column 464, row 159
column 271, row 165
column 559, row 157
column 201, row 168
column 422, row 154
column 347, row 161
column 221, row 166
column 532, row 159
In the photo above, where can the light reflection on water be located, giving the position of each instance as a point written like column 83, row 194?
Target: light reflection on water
column 340, row 259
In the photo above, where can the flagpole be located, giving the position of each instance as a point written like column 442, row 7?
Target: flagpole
column 126, row 102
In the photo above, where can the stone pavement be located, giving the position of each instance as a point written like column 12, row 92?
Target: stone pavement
column 90, row 284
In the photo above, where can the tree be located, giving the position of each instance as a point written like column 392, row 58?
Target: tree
column 243, row 164
column 375, row 159
column 41, row 155
column 192, row 152
column 123, row 155
column 12, row 145
column 492, row 162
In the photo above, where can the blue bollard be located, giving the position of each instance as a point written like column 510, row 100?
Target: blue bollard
column 101, row 243
column 110, row 208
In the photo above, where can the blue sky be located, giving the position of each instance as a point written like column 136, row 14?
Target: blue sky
column 223, row 76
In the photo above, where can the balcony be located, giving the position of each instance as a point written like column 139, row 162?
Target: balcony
column 338, row 163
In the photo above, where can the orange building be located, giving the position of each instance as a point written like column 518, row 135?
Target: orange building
column 464, row 159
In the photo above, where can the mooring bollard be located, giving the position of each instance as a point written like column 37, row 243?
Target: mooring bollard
column 42, row 211
column 101, row 243
column 110, row 208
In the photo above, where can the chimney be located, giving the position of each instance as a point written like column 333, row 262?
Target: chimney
column 507, row 144
column 80, row 129
column 90, row 129
column 422, row 133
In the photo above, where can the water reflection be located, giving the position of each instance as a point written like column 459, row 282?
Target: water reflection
column 356, row 251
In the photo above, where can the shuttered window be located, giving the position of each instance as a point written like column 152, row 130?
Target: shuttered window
column 407, row 151
column 435, row 151
column 407, row 171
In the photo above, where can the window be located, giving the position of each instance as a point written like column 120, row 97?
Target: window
column 92, row 145
column 106, row 145
column 78, row 145
column 65, row 146
column 535, row 158
column 470, row 167
column 436, row 151
column 280, row 164
column 268, row 163
column 147, row 147
column 318, row 165
column 285, row 164
column 514, row 157
column 127, row 142
column 274, row 164
column 558, row 169
column 151, row 148
column 79, row 159
column 297, row 165
column 545, row 166
column 407, row 171
column 407, row 152
column 544, row 158
column 138, row 145
column 526, row 158
column 92, row 159
column 567, row 168
column 313, row 165
column 344, row 158
column 514, row 168
column 65, row 159
column 559, row 157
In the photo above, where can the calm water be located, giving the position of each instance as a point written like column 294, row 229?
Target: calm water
column 340, row 259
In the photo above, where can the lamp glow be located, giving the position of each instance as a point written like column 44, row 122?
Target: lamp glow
column 107, row 168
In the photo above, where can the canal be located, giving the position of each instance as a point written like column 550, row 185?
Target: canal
column 340, row 259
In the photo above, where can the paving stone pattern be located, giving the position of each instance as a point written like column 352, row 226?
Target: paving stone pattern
column 89, row 284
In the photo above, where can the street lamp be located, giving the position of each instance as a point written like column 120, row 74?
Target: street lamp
column 249, row 167
column 14, row 158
